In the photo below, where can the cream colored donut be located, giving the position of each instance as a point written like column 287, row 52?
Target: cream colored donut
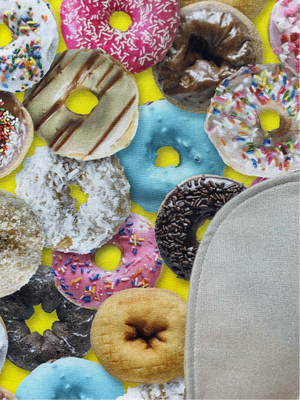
column 138, row 335
column 3, row 345
column 111, row 124
column 6, row 395
column 21, row 243
column 44, row 185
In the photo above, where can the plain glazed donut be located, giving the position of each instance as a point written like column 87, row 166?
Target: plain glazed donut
column 284, row 33
column 250, row 8
column 81, row 281
column 82, row 136
column 69, row 378
column 233, row 124
column 21, row 243
column 161, row 124
column 96, row 221
column 146, row 42
column 213, row 41
column 28, row 56
column 16, row 133
column 3, row 344
column 147, row 344
column 183, row 211
column 70, row 336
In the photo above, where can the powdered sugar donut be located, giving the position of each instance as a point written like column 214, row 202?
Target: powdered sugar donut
column 44, row 184
column 147, row 40
column 29, row 55
column 174, row 390
column 233, row 124
column 80, row 279
column 284, row 33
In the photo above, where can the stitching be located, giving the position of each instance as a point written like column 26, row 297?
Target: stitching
column 204, row 257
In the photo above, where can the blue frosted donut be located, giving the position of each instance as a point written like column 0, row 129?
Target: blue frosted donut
column 162, row 124
column 70, row 378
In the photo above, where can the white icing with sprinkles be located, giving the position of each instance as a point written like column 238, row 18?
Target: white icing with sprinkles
column 146, row 42
column 233, row 125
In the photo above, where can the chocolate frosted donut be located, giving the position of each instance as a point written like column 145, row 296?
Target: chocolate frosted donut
column 70, row 336
column 213, row 41
column 183, row 211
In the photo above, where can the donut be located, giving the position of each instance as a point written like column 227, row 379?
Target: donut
column 147, row 344
column 111, row 124
column 250, row 8
column 21, row 243
column 70, row 336
column 213, row 41
column 16, row 133
column 284, row 33
column 233, row 123
column 96, row 221
column 34, row 31
column 69, row 378
column 183, row 211
column 174, row 390
column 3, row 345
column 147, row 40
column 6, row 395
column 161, row 124
column 80, row 280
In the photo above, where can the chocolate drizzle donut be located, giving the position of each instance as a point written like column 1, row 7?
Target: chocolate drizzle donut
column 213, row 41
column 70, row 336
column 183, row 211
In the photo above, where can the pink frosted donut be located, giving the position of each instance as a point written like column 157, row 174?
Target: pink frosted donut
column 79, row 279
column 85, row 24
column 284, row 30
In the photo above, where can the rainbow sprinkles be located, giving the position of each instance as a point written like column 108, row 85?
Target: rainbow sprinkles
column 234, row 127
column 29, row 55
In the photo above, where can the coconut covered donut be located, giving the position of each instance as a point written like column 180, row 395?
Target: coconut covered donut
column 21, row 243
column 138, row 335
column 109, row 126
column 213, row 41
column 16, row 133
column 29, row 55
column 233, row 123
column 69, row 336
column 44, row 184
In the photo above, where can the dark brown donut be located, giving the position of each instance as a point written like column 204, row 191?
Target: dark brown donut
column 213, row 41
column 183, row 211
column 70, row 336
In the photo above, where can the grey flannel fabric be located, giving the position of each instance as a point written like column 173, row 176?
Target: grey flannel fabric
column 242, row 335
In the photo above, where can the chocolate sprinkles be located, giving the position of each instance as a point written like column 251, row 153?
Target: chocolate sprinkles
column 183, row 211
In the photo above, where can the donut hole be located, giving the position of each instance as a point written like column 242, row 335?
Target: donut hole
column 5, row 35
column 167, row 156
column 77, row 194
column 81, row 102
column 108, row 257
column 120, row 20
column 40, row 321
column 138, row 330
column 269, row 120
column 199, row 46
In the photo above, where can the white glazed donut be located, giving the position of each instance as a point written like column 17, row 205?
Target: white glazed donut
column 3, row 343
column 174, row 390
column 233, row 123
column 34, row 30
column 44, row 184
